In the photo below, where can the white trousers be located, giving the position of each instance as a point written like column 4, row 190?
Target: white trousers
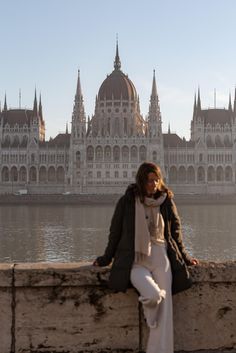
column 152, row 278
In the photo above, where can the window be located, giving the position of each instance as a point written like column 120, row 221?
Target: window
column 90, row 153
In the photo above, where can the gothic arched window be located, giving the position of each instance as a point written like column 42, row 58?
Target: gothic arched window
column 125, row 153
column 116, row 153
column 90, row 153
column 134, row 153
column 142, row 153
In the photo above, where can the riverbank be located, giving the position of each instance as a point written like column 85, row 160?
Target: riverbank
column 87, row 199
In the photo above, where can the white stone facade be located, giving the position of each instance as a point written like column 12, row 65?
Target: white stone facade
column 102, row 153
column 106, row 154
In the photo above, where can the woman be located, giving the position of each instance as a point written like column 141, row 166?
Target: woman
column 145, row 243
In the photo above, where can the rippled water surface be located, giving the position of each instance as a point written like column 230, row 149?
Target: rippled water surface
column 77, row 233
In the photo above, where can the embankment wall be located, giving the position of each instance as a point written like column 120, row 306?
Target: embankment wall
column 58, row 308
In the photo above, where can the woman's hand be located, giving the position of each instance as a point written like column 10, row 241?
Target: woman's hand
column 194, row 262
column 95, row 263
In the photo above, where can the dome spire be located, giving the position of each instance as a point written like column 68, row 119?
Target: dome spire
column 117, row 63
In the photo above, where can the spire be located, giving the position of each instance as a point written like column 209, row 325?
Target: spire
column 5, row 103
column 154, row 86
column 19, row 98
column 195, row 103
column 230, row 104
column 67, row 128
column 235, row 100
column 154, row 114
column 40, row 108
column 169, row 128
column 78, row 128
column 198, row 100
column 35, row 108
column 78, row 88
column 117, row 63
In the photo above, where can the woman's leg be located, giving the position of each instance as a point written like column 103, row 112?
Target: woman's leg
column 161, row 338
column 150, row 293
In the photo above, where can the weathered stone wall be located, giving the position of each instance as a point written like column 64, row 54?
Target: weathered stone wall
column 66, row 308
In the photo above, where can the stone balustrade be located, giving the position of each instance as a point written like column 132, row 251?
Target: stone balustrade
column 67, row 308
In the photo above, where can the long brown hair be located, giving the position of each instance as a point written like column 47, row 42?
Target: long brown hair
column 142, row 178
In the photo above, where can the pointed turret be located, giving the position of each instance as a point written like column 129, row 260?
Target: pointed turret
column 78, row 88
column 78, row 117
column 35, row 108
column 5, row 103
column 40, row 108
column 198, row 118
column 154, row 114
column 117, row 62
column 19, row 98
column 195, row 104
column 67, row 128
column 154, row 86
column 235, row 101
column 198, row 101
column 230, row 104
column 169, row 128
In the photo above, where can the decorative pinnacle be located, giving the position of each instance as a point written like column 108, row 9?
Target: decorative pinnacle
column 117, row 63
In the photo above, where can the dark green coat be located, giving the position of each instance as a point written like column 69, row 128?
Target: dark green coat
column 120, row 245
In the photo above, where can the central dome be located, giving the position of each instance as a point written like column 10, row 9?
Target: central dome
column 117, row 85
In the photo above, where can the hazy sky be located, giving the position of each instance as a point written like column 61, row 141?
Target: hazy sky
column 189, row 43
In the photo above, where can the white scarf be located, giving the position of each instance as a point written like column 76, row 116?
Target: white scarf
column 142, row 234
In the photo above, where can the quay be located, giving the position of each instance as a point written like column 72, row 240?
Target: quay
column 87, row 199
column 67, row 308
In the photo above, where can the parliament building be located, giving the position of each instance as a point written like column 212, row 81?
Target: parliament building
column 102, row 153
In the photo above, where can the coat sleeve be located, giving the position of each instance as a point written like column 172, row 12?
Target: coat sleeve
column 114, row 234
column 176, row 233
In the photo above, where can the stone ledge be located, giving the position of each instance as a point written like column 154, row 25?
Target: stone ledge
column 84, row 274
column 6, row 275
column 59, row 274
column 214, row 272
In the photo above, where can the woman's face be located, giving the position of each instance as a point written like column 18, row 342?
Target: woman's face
column 152, row 184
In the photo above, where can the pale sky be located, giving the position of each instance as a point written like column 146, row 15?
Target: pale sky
column 189, row 43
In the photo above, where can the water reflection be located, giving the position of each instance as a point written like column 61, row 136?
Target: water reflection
column 210, row 231
column 78, row 233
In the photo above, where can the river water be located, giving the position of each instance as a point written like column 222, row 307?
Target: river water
column 72, row 233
